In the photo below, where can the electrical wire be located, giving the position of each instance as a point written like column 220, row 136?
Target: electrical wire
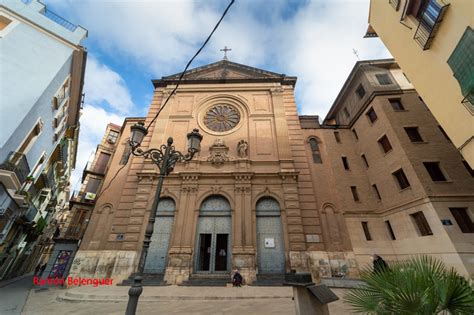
column 174, row 90
column 189, row 63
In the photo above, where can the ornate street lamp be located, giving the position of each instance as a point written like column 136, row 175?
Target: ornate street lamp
column 165, row 158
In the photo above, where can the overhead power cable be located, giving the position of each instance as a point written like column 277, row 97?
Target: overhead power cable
column 189, row 63
column 175, row 88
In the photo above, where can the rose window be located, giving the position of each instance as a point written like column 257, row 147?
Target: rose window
column 221, row 118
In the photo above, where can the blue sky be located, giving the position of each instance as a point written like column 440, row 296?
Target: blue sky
column 132, row 42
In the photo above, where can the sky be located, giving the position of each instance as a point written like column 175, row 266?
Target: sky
column 132, row 42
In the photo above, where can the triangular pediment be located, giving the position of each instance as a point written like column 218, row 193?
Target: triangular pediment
column 225, row 69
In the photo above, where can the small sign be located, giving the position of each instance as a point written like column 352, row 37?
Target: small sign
column 90, row 196
column 446, row 222
column 269, row 243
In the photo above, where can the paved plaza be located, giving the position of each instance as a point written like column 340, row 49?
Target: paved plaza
column 21, row 297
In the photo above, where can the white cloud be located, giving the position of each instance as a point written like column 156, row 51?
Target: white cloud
column 93, row 122
column 104, row 85
column 312, row 40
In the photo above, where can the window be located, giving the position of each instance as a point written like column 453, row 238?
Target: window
column 355, row 195
column 346, row 112
column 385, row 144
column 365, row 227
column 355, row 134
column 112, row 137
column 421, row 223
column 4, row 21
column 31, row 137
column 429, row 13
column 383, row 79
column 468, row 167
column 360, row 91
column 444, row 133
column 337, row 136
column 101, row 163
column 376, row 191
column 127, row 150
column 462, row 218
column 372, row 115
column 390, row 230
column 401, row 179
column 345, row 163
column 413, row 134
column 394, row 4
column 435, row 172
column 313, row 143
column 365, row 160
column 461, row 62
column 396, row 104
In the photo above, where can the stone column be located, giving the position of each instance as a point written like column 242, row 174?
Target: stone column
column 243, row 251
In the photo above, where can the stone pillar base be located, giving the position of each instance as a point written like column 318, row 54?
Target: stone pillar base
column 179, row 266
column 244, row 260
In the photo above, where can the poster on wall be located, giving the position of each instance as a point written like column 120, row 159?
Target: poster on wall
column 60, row 264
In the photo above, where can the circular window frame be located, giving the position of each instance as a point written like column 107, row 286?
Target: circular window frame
column 220, row 101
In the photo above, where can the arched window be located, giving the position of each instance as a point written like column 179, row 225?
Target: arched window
column 215, row 203
column 267, row 205
column 166, row 204
column 313, row 143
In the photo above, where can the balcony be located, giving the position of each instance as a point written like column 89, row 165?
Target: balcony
column 83, row 197
column 75, row 232
column 429, row 22
column 14, row 171
column 31, row 213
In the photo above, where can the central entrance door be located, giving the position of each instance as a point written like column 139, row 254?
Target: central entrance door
column 213, row 241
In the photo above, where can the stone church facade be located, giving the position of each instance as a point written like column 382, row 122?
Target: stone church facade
column 267, row 192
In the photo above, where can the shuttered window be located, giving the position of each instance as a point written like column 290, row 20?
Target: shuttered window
column 421, row 223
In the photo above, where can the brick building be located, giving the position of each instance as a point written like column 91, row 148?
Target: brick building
column 272, row 192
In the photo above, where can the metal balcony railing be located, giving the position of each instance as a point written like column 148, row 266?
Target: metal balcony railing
column 429, row 22
column 18, row 164
column 61, row 21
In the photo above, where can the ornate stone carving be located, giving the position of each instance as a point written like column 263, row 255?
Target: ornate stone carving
column 242, row 149
column 218, row 153
column 221, row 117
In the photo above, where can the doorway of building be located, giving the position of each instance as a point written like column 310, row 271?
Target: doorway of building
column 158, row 251
column 270, row 246
column 213, row 241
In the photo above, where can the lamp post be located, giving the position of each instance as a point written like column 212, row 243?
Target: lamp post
column 165, row 158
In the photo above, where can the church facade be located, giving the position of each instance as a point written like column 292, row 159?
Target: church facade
column 268, row 193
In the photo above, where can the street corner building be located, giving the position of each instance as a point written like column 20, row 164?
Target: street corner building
column 42, row 70
column 272, row 192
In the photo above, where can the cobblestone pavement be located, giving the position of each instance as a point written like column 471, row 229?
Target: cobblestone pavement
column 169, row 300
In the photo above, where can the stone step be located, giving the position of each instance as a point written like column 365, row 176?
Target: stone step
column 149, row 279
column 208, row 280
column 269, row 280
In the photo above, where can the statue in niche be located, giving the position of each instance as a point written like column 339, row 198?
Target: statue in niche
column 242, row 149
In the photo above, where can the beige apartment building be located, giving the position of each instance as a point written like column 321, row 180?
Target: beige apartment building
column 73, row 221
column 433, row 42
column 272, row 192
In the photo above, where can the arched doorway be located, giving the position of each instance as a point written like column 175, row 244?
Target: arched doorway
column 158, row 251
column 270, row 246
column 213, row 239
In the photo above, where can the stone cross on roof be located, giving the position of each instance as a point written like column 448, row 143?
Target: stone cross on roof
column 225, row 50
